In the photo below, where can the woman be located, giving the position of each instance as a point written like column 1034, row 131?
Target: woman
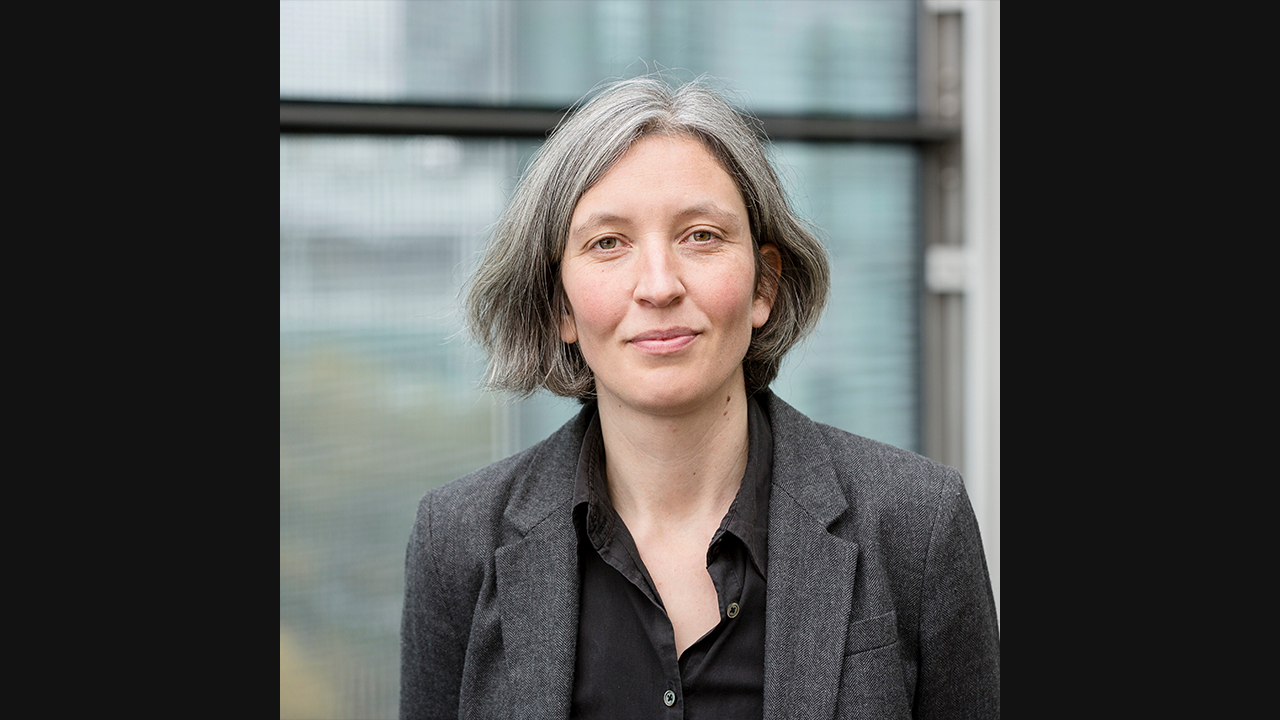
column 689, row 544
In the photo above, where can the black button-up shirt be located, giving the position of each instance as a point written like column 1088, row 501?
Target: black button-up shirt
column 626, row 659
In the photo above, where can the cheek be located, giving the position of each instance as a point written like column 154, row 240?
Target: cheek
column 595, row 307
column 730, row 303
column 734, row 296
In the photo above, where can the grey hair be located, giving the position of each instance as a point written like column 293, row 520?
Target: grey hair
column 515, row 300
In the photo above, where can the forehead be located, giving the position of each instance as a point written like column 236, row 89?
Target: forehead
column 661, row 172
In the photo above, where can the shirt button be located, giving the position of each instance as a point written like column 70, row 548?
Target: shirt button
column 669, row 698
column 733, row 610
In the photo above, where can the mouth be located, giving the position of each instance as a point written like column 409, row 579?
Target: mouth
column 663, row 342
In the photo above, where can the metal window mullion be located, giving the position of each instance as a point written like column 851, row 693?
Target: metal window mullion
column 303, row 116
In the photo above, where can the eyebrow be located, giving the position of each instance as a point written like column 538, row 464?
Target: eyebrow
column 708, row 210
column 595, row 220
column 712, row 211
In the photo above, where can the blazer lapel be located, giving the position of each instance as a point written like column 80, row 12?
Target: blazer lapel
column 538, row 583
column 811, row 573
column 537, row 580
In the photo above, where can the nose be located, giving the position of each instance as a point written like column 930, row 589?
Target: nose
column 658, row 283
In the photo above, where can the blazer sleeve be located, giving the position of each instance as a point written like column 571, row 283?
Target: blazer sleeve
column 432, row 647
column 959, row 635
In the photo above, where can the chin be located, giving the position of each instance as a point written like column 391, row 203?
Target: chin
column 667, row 401
column 672, row 395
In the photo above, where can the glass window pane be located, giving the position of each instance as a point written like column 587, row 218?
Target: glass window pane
column 810, row 56
column 859, row 370
column 378, row 398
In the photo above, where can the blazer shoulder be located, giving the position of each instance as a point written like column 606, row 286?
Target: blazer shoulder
column 482, row 507
column 866, row 482
column 889, row 486
column 858, row 457
column 480, row 492
column 860, row 464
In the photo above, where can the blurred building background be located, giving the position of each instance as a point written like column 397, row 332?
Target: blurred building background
column 404, row 126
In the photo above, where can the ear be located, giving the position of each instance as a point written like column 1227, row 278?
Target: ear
column 568, row 328
column 768, row 290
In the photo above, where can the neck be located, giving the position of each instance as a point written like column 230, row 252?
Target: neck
column 680, row 471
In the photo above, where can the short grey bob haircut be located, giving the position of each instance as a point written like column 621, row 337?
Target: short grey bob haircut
column 515, row 299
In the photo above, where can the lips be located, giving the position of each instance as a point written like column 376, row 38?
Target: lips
column 667, row 340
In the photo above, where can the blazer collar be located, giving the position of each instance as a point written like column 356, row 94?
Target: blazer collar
column 802, row 465
column 547, row 481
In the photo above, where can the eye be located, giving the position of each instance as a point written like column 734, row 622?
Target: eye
column 608, row 243
column 702, row 236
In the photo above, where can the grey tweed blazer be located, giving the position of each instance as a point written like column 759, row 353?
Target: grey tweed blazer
column 879, row 603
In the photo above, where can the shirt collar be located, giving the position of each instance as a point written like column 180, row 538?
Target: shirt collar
column 747, row 517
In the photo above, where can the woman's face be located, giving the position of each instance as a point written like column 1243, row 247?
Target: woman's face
column 660, row 275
